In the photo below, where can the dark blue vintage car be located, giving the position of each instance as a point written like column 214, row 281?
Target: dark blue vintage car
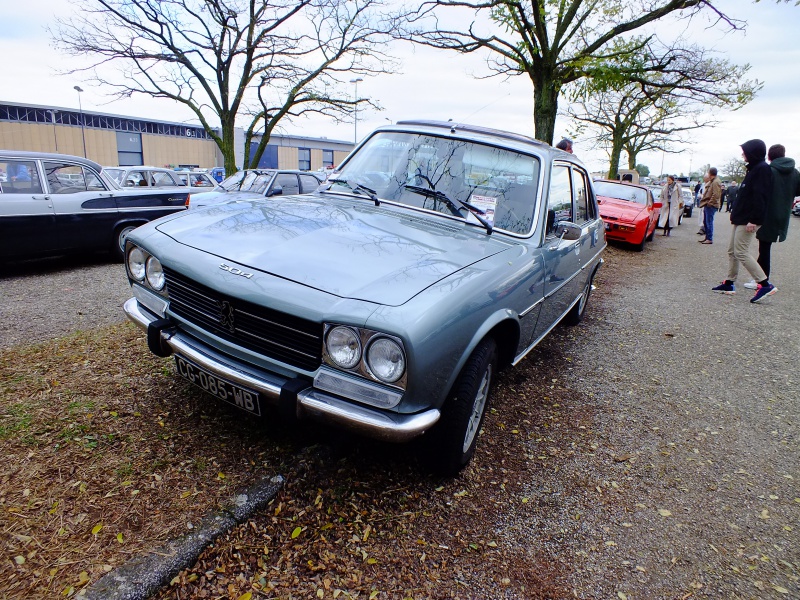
column 56, row 204
column 386, row 301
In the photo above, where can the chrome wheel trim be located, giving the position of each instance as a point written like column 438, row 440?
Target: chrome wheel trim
column 122, row 236
column 478, row 406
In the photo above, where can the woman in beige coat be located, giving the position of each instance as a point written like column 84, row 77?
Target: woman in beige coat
column 672, row 205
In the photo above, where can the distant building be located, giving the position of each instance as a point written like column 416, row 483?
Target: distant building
column 116, row 140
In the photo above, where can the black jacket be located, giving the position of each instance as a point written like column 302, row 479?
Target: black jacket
column 756, row 189
column 785, row 186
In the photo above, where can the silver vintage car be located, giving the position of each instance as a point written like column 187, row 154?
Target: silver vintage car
column 387, row 301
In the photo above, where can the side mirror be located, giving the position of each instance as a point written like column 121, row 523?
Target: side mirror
column 568, row 231
column 276, row 191
column 657, row 205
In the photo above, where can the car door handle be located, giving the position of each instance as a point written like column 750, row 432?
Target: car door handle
column 44, row 197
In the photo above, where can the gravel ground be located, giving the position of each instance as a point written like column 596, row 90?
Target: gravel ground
column 665, row 460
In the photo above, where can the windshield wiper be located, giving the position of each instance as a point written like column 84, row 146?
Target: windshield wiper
column 430, row 193
column 358, row 189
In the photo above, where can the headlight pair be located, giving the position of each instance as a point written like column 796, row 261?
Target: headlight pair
column 143, row 267
column 374, row 354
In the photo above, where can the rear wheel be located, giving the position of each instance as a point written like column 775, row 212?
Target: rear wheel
column 575, row 315
column 640, row 246
column 452, row 442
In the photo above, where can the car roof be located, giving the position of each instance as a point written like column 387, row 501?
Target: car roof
column 628, row 183
column 24, row 154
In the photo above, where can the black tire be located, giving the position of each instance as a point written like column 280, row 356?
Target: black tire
column 652, row 233
column 640, row 247
column 575, row 315
column 120, row 235
column 452, row 442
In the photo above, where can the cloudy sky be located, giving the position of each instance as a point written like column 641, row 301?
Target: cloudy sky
column 436, row 85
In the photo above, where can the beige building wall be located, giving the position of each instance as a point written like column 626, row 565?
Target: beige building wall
column 338, row 157
column 164, row 150
column 101, row 146
column 288, row 158
column 316, row 159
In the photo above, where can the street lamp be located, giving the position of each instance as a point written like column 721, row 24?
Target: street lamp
column 78, row 89
column 355, row 119
column 53, row 112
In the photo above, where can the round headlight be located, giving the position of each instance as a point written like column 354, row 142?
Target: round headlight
column 344, row 347
column 386, row 360
column 155, row 274
column 136, row 264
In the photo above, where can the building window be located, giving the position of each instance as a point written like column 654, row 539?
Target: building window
column 327, row 159
column 304, row 159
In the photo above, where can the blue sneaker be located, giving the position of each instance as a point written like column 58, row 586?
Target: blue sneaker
column 763, row 291
column 724, row 288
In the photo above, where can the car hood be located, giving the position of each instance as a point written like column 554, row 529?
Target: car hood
column 620, row 210
column 351, row 249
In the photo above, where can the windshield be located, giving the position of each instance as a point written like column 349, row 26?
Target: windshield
column 248, row 181
column 400, row 167
column 620, row 191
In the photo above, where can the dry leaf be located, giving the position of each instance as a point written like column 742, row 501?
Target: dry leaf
column 664, row 512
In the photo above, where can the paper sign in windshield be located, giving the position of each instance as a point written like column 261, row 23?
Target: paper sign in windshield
column 487, row 204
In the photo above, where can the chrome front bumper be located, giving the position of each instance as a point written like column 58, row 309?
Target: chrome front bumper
column 310, row 402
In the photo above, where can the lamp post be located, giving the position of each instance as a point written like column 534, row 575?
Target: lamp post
column 355, row 118
column 53, row 112
column 78, row 89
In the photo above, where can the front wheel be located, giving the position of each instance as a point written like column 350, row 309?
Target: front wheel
column 120, row 235
column 453, row 440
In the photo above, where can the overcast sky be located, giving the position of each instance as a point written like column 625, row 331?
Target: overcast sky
column 438, row 85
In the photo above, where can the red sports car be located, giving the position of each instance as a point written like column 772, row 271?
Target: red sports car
column 629, row 211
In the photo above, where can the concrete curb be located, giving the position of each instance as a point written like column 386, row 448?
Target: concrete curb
column 143, row 576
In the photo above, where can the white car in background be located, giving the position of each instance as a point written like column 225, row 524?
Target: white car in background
column 144, row 177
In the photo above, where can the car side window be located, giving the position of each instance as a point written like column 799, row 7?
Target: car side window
column 163, row 179
column 287, row 181
column 136, row 179
column 559, row 203
column 70, row 179
column 309, row 184
column 580, row 187
column 19, row 177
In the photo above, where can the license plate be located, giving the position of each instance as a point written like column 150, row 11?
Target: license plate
column 231, row 393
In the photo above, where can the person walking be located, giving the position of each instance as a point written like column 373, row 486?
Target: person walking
column 733, row 189
column 672, row 205
column 710, row 202
column 698, row 195
column 785, row 186
column 747, row 216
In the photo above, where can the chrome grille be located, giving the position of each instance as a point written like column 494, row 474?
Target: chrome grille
column 289, row 339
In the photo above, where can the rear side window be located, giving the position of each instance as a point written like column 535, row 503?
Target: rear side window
column 583, row 208
column 19, row 177
column 64, row 178
column 309, row 184
column 287, row 181
column 164, row 179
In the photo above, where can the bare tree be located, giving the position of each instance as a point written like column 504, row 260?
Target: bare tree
column 232, row 60
column 655, row 112
column 555, row 43
column 734, row 169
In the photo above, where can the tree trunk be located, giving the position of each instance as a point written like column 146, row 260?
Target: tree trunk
column 631, row 160
column 545, row 106
column 228, row 145
column 614, row 154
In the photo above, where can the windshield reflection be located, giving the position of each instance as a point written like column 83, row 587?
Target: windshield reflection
column 500, row 183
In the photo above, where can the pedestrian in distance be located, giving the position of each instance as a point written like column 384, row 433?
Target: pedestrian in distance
column 565, row 144
column 672, row 204
column 710, row 203
column 733, row 189
column 701, row 219
column 747, row 215
column 785, row 186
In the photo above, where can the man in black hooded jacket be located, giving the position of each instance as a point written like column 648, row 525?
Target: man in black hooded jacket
column 747, row 215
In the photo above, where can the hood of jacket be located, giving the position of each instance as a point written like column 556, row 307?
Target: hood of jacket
column 754, row 151
column 783, row 165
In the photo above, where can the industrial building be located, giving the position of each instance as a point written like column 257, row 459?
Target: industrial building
column 116, row 140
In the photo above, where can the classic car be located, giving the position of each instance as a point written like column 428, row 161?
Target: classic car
column 387, row 301
column 796, row 207
column 629, row 210
column 688, row 201
column 196, row 179
column 260, row 183
column 56, row 204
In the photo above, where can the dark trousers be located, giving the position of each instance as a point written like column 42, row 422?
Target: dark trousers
column 764, row 249
column 709, row 212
